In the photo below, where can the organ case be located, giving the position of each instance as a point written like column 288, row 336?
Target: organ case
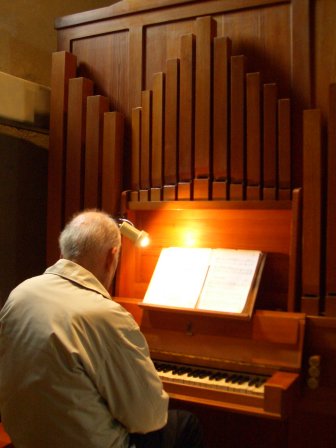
column 269, row 67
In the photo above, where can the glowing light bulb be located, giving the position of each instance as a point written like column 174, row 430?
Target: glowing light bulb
column 139, row 237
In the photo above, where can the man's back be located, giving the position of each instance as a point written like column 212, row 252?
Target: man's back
column 65, row 354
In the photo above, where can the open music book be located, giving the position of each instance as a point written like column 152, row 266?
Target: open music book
column 222, row 280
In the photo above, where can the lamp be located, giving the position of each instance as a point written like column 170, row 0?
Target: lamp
column 139, row 237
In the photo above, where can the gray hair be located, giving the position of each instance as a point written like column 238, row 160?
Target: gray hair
column 88, row 234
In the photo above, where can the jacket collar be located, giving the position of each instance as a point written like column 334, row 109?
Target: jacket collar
column 77, row 274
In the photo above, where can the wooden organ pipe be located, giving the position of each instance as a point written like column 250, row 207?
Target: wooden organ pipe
column 330, row 281
column 96, row 107
column 222, row 56
column 205, row 32
column 86, row 150
column 113, row 142
column 295, row 259
column 63, row 68
column 253, row 137
column 237, row 165
column 270, row 143
column 135, row 154
column 226, row 136
column 145, row 159
column 186, row 117
column 284, row 149
column 312, row 214
column 158, row 136
column 171, row 130
column 79, row 90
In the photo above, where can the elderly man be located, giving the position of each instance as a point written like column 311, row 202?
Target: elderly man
column 75, row 370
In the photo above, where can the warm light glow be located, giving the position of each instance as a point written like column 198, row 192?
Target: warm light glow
column 139, row 237
column 144, row 240
column 189, row 239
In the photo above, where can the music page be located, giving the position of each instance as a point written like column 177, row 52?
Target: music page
column 229, row 280
column 178, row 277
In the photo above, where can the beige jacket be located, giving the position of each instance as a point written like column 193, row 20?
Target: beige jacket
column 74, row 367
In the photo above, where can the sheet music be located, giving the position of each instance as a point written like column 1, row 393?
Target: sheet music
column 229, row 280
column 207, row 279
column 178, row 277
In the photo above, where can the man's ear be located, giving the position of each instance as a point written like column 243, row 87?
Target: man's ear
column 110, row 256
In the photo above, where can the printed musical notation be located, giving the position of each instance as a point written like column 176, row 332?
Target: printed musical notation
column 221, row 280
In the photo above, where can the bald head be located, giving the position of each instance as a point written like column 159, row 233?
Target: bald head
column 92, row 239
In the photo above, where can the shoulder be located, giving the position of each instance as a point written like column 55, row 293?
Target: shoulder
column 103, row 315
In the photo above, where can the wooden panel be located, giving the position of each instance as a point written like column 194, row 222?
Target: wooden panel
column 284, row 148
column 228, row 340
column 139, row 8
column 163, row 42
column 186, row 109
column 108, row 53
column 157, row 135
column 96, row 107
column 222, row 56
column 112, row 162
column 274, row 392
column 79, row 90
column 63, row 68
column 272, row 338
column 264, row 36
column 253, row 136
column 270, row 142
column 311, row 248
column 237, row 151
column 205, row 31
column 330, row 282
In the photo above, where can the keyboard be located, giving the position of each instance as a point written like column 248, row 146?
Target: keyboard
column 224, row 380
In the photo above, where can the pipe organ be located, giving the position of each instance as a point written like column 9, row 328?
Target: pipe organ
column 160, row 113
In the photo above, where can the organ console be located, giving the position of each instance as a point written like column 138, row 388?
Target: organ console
column 245, row 366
